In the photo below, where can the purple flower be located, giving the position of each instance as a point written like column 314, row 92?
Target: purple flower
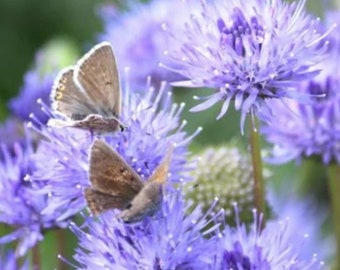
column 153, row 124
column 8, row 261
column 11, row 130
column 308, row 130
column 304, row 217
column 138, row 39
column 35, row 86
column 271, row 248
column 173, row 239
column 250, row 51
column 20, row 201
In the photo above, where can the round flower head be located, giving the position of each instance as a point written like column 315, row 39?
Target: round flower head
column 310, row 130
column 152, row 125
column 271, row 248
column 251, row 51
column 173, row 239
column 20, row 201
column 226, row 173
column 139, row 40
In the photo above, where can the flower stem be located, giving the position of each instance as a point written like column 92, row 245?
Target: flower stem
column 36, row 257
column 334, row 192
column 61, row 248
column 255, row 150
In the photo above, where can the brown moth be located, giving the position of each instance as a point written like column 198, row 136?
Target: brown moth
column 88, row 94
column 114, row 184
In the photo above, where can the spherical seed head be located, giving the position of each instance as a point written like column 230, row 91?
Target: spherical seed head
column 226, row 173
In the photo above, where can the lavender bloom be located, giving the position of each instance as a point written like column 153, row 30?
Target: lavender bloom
column 35, row 86
column 304, row 217
column 20, row 203
column 251, row 51
column 8, row 261
column 170, row 240
column 11, row 130
column 271, row 248
column 138, row 38
column 308, row 130
column 152, row 123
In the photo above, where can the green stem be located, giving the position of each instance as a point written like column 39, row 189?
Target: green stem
column 259, row 187
column 36, row 257
column 61, row 248
column 334, row 192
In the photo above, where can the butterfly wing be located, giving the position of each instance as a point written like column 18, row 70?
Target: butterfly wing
column 148, row 200
column 67, row 98
column 97, row 74
column 160, row 174
column 99, row 202
column 111, row 175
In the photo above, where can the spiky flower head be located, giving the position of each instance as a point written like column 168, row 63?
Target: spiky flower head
column 139, row 40
column 152, row 124
column 226, row 173
column 20, row 201
column 270, row 248
column 249, row 51
column 173, row 239
column 310, row 130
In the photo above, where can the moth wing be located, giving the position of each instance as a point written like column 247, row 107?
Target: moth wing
column 99, row 202
column 68, row 99
column 97, row 74
column 110, row 174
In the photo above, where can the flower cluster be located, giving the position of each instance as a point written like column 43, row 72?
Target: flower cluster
column 152, row 123
column 174, row 239
column 270, row 248
column 20, row 201
column 309, row 130
column 264, row 56
column 170, row 240
column 250, row 51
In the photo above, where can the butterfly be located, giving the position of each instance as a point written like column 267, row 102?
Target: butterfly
column 88, row 94
column 114, row 184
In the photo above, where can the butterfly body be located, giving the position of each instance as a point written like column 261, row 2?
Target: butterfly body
column 87, row 95
column 114, row 184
